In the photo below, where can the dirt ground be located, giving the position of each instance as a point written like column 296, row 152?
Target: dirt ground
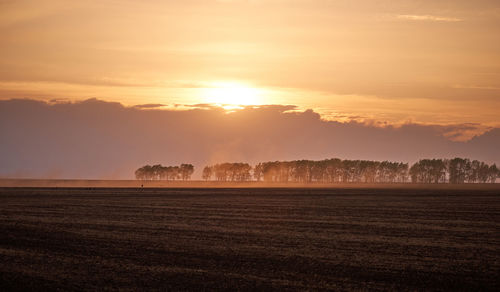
column 249, row 239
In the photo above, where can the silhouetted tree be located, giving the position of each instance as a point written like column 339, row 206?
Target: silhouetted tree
column 142, row 173
column 159, row 172
column 258, row 172
column 458, row 170
column 207, row 173
column 186, row 170
column 229, row 172
column 493, row 173
column 429, row 171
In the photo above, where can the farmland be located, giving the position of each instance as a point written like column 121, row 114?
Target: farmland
column 249, row 238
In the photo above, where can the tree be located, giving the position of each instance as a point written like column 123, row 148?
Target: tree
column 473, row 175
column 333, row 169
column 429, row 171
column 228, row 172
column 458, row 168
column 493, row 173
column 159, row 172
column 186, row 170
column 207, row 173
column 142, row 173
column 270, row 171
column 258, row 172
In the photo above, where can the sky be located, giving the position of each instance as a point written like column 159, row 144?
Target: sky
column 381, row 65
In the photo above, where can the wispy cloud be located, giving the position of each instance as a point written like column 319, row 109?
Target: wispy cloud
column 149, row 105
column 428, row 18
column 475, row 87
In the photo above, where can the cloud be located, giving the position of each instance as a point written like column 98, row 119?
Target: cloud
column 476, row 87
column 461, row 132
column 428, row 18
column 149, row 105
column 98, row 139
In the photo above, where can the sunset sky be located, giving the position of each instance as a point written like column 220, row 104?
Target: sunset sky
column 112, row 85
column 430, row 62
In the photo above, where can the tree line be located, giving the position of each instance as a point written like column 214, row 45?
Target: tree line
column 455, row 171
column 160, row 172
column 306, row 171
column 228, row 172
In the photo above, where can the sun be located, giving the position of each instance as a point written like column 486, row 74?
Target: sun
column 228, row 94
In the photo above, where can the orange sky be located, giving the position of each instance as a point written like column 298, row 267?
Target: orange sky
column 432, row 62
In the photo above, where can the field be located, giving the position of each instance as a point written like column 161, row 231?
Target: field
column 249, row 239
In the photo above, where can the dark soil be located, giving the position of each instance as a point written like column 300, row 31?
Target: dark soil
column 249, row 239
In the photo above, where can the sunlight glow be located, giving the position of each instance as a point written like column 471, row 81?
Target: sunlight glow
column 232, row 95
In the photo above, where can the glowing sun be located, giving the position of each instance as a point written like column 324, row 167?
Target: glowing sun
column 232, row 94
